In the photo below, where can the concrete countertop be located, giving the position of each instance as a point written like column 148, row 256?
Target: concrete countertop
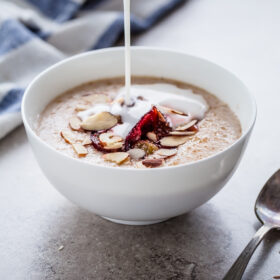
column 35, row 220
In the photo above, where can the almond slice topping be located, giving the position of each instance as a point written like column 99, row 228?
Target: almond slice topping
column 96, row 98
column 99, row 121
column 186, row 126
column 170, row 110
column 167, row 152
column 113, row 146
column 136, row 154
column 173, row 141
column 177, row 112
column 152, row 136
column 151, row 163
column 81, row 107
column 79, row 149
column 68, row 136
column 182, row 133
column 87, row 140
column 109, row 138
column 75, row 123
column 118, row 157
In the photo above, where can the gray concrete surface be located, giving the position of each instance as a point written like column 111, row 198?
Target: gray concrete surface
column 243, row 36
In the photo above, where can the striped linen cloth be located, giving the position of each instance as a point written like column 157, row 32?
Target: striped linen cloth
column 34, row 34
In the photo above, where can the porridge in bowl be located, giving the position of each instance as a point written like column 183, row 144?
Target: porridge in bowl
column 166, row 123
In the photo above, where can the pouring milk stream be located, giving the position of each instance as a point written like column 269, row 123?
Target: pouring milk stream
column 139, row 99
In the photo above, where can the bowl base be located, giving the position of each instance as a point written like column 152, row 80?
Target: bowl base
column 134, row 223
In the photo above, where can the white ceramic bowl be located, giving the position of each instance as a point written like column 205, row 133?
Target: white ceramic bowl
column 133, row 196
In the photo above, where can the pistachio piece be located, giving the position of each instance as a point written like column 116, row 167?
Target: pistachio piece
column 147, row 146
column 79, row 149
column 151, row 163
column 136, row 154
column 118, row 157
column 68, row 136
column 173, row 141
column 167, row 152
column 99, row 121
column 187, row 125
column 75, row 123
column 152, row 136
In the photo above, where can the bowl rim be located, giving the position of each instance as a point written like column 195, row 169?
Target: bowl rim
column 129, row 169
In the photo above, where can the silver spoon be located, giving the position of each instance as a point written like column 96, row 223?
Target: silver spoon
column 267, row 209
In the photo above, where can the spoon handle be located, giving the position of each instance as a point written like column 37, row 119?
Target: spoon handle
column 238, row 268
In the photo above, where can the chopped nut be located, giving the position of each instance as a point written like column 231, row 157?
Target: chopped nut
column 96, row 98
column 113, row 146
column 81, row 107
column 108, row 138
column 136, row 154
column 119, row 100
column 118, row 157
column 68, row 136
column 186, row 126
column 182, row 133
column 153, row 162
column 79, row 149
column 75, row 123
column 170, row 110
column 99, row 121
column 167, row 152
column 173, row 141
column 177, row 112
column 147, row 146
column 152, row 136
column 87, row 140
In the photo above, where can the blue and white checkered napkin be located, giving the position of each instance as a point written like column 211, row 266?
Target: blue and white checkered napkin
column 35, row 34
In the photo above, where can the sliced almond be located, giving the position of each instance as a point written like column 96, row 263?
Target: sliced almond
column 136, row 154
column 152, row 136
column 182, row 133
column 81, row 107
column 99, row 121
column 96, row 98
column 109, row 138
column 151, row 163
column 113, row 146
column 79, row 149
column 68, row 136
column 119, row 100
column 87, row 140
column 75, row 123
column 177, row 112
column 173, row 141
column 170, row 110
column 167, row 152
column 118, row 157
column 186, row 126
